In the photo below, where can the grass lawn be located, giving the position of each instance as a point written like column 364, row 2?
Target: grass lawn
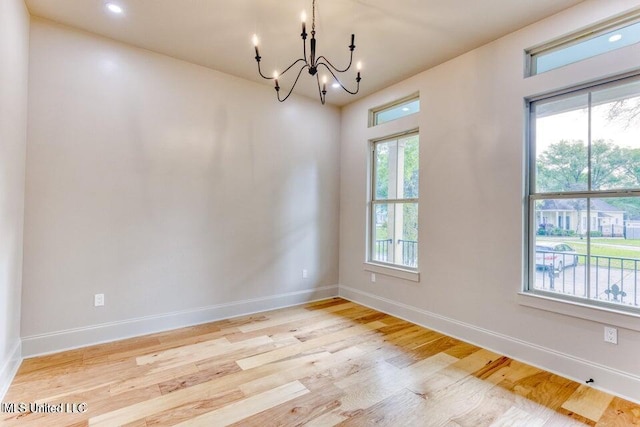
column 620, row 242
column 606, row 251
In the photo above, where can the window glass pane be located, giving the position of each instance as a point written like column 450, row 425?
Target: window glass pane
column 408, row 245
column 386, row 161
column 615, row 136
column 592, row 46
column 395, row 239
column 382, row 243
column 560, row 250
column 409, row 162
column 396, row 111
column 615, row 250
column 561, row 136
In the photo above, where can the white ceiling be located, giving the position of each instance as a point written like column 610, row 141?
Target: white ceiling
column 394, row 39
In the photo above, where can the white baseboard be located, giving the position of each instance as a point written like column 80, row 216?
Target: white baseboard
column 53, row 342
column 9, row 368
column 607, row 379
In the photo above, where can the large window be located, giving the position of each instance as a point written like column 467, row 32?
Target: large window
column 394, row 201
column 584, row 195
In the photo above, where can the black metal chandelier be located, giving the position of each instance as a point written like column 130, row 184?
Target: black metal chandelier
column 313, row 63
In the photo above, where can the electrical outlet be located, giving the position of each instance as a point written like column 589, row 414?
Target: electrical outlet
column 373, row 277
column 305, row 274
column 98, row 300
column 610, row 335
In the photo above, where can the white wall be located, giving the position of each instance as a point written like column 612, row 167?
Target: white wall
column 14, row 56
column 181, row 193
column 472, row 206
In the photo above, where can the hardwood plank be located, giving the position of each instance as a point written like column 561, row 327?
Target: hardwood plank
column 279, row 354
column 245, row 408
column 588, row 402
column 193, row 409
column 620, row 413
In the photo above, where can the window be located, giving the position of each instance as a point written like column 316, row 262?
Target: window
column 586, row 44
column 395, row 110
column 584, row 150
column 394, row 201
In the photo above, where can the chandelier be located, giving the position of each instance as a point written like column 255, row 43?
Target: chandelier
column 313, row 63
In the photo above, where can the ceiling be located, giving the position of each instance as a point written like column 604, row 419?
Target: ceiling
column 394, row 39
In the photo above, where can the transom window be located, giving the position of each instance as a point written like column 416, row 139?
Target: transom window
column 397, row 109
column 394, row 201
column 584, row 194
column 612, row 35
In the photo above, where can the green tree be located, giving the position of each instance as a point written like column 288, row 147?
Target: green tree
column 631, row 166
column 606, row 165
column 562, row 167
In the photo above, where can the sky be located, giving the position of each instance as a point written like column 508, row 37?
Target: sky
column 573, row 125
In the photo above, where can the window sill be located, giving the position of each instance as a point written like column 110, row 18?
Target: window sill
column 386, row 270
column 609, row 316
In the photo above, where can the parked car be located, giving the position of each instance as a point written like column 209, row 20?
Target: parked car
column 555, row 256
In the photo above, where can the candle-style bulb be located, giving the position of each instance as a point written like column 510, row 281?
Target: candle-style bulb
column 303, row 17
column 254, row 39
column 359, row 66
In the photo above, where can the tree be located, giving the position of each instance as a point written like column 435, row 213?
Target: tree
column 631, row 165
column 626, row 110
column 562, row 167
column 606, row 165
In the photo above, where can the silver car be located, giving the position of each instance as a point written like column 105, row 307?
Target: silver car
column 555, row 256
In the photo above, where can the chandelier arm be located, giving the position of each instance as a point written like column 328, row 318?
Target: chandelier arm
column 287, row 69
column 294, row 63
column 328, row 63
column 338, row 80
column 262, row 75
column 294, row 83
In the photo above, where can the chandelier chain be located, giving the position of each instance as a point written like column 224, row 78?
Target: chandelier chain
column 313, row 16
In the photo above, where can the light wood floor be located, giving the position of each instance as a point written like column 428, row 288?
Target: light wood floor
column 325, row 363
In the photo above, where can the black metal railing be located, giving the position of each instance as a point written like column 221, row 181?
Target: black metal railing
column 408, row 249
column 409, row 252
column 382, row 250
column 611, row 279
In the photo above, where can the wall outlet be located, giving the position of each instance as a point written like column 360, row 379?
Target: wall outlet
column 373, row 277
column 305, row 274
column 98, row 300
column 610, row 335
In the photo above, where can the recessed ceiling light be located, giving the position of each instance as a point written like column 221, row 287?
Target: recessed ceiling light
column 615, row 38
column 336, row 85
column 114, row 8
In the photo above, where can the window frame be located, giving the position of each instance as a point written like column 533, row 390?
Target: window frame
column 532, row 196
column 371, row 211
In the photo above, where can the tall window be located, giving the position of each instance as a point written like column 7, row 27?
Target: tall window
column 584, row 197
column 394, row 201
